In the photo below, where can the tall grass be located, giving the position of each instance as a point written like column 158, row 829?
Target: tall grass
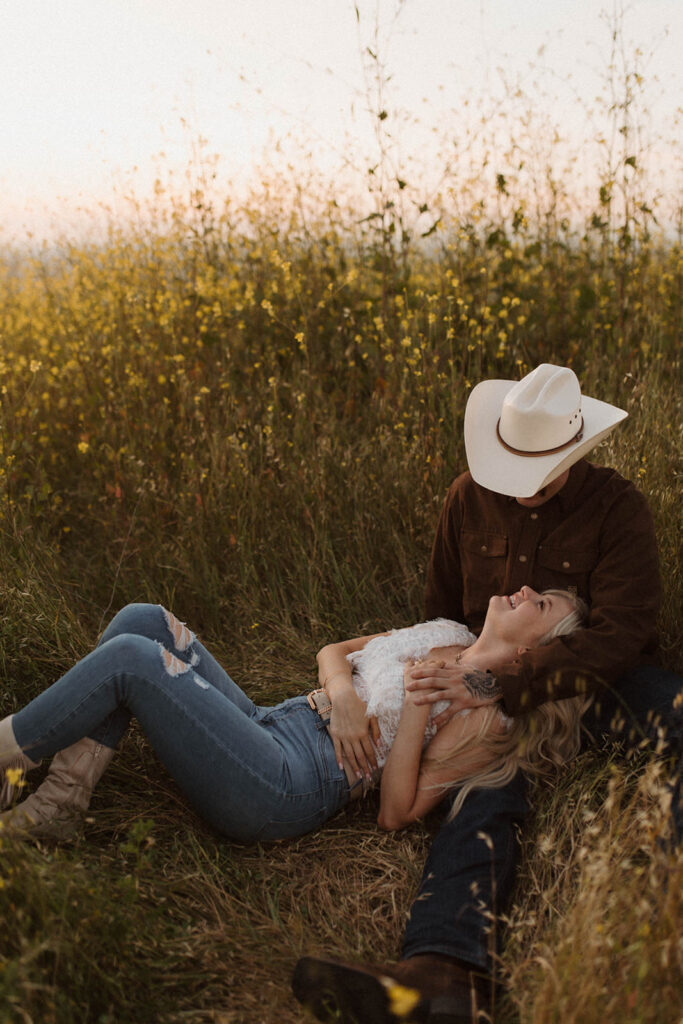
column 250, row 411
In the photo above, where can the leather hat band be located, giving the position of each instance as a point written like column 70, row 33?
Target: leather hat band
column 548, row 451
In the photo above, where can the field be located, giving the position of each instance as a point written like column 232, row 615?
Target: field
column 250, row 412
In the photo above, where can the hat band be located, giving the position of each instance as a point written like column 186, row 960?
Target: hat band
column 548, row 451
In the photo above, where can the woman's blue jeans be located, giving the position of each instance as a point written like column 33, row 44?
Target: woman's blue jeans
column 469, row 875
column 251, row 772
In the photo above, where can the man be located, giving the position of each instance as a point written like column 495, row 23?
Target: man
column 530, row 511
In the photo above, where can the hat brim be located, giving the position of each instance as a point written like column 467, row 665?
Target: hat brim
column 521, row 476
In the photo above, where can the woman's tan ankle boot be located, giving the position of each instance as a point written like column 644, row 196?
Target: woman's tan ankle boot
column 57, row 807
column 12, row 759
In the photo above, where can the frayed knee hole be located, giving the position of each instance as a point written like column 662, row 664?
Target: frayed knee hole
column 173, row 665
column 182, row 636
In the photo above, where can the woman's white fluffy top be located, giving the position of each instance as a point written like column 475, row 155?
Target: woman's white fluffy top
column 378, row 672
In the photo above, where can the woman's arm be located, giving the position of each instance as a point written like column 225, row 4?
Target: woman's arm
column 401, row 774
column 351, row 730
column 412, row 786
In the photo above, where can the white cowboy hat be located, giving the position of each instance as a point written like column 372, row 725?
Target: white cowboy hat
column 521, row 435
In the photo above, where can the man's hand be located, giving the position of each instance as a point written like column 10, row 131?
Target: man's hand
column 462, row 685
column 354, row 734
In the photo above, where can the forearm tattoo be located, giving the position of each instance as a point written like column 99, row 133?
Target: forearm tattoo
column 482, row 684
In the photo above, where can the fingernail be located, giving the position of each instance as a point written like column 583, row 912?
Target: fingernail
column 341, row 766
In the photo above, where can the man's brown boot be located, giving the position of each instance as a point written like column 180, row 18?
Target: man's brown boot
column 425, row 989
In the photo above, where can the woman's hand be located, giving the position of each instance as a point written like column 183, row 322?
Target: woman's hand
column 353, row 733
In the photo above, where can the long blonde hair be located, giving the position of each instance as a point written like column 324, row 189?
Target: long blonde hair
column 534, row 742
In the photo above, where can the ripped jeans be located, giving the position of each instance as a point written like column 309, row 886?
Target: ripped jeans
column 251, row 772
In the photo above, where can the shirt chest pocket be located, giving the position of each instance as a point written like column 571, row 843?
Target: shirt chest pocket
column 561, row 567
column 484, row 545
column 483, row 558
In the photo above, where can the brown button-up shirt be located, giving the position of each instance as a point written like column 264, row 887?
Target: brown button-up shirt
column 595, row 536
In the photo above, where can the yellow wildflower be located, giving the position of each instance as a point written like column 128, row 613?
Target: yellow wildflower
column 14, row 776
column 402, row 1000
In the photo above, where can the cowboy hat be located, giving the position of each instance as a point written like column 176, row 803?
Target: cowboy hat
column 521, row 435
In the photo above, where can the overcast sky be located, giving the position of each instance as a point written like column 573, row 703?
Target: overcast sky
column 91, row 89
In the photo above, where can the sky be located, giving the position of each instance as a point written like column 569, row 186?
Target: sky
column 97, row 95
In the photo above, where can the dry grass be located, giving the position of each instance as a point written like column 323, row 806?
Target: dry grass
column 595, row 935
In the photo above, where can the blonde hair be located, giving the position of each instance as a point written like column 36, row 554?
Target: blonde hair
column 534, row 742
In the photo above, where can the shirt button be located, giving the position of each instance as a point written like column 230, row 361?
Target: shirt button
column 484, row 548
column 534, row 515
column 565, row 565
column 522, row 558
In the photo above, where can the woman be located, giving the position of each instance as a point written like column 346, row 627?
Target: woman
column 264, row 773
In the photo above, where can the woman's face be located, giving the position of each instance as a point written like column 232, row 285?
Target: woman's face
column 525, row 617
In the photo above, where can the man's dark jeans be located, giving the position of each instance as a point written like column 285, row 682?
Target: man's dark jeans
column 470, row 870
